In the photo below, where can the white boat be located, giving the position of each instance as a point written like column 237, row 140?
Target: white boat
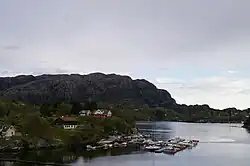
column 102, row 142
column 116, row 145
column 160, row 150
column 149, row 141
column 124, row 144
column 170, row 150
column 89, row 147
column 106, row 146
column 152, row 148
column 187, row 143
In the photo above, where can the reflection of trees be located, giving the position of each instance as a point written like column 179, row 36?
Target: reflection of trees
column 248, row 130
column 156, row 130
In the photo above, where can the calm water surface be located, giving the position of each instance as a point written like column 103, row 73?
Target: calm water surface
column 220, row 144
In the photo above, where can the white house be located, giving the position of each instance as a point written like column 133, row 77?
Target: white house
column 99, row 112
column 85, row 113
column 8, row 131
column 66, row 122
column 103, row 113
column 108, row 113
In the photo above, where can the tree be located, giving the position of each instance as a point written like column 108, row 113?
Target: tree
column 160, row 114
column 76, row 108
column 63, row 109
column 247, row 123
column 3, row 111
column 36, row 126
column 46, row 110
column 90, row 105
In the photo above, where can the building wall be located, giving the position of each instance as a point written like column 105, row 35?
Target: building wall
column 82, row 114
column 109, row 114
column 10, row 133
column 66, row 126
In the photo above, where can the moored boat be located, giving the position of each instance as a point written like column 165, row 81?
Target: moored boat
column 160, row 150
column 152, row 148
column 169, row 150
column 195, row 140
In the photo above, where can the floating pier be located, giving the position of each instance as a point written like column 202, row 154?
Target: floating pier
column 171, row 146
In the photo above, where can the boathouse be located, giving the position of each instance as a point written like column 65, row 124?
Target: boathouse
column 66, row 122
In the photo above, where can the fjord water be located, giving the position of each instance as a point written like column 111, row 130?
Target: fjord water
column 220, row 144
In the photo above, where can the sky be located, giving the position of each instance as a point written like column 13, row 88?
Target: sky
column 198, row 50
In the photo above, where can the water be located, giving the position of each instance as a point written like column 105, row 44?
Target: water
column 220, row 144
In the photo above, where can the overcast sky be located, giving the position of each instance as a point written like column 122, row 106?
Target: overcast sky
column 198, row 50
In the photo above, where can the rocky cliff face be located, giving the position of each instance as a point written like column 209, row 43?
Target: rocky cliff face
column 109, row 88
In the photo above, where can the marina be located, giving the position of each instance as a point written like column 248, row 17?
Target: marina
column 213, row 140
column 170, row 146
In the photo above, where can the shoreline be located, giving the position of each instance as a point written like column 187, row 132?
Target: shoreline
column 118, row 142
column 193, row 122
column 31, row 162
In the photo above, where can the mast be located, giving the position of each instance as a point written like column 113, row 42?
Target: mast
column 229, row 119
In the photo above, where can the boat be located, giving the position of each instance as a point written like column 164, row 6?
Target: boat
column 159, row 143
column 124, row 144
column 179, row 146
column 90, row 148
column 103, row 142
column 195, row 140
column 186, row 143
column 106, row 146
column 152, row 148
column 116, row 145
column 160, row 150
column 170, row 150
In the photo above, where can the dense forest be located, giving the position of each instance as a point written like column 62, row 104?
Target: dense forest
column 35, row 123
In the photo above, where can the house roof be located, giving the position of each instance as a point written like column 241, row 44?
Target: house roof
column 6, row 127
column 103, row 111
column 106, row 111
column 84, row 111
column 68, row 119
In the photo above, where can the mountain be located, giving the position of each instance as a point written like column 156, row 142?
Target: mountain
column 110, row 88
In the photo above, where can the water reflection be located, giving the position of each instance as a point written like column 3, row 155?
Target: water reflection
column 214, row 140
column 156, row 130
column 64, row 156
column 248, row 130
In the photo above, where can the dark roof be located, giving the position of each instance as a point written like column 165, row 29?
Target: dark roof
column 66, row 120
column 6, row 127
column 106, row 111
column 84, row 111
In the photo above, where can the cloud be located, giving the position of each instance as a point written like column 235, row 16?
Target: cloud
column 232, row 71
column 218, row 92
column 143, row 38
column 11, row 47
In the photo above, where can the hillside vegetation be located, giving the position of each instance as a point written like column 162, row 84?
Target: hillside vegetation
column 139, row 99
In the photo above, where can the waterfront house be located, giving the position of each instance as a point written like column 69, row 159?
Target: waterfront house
column 66, row 122
column 102, row 113
column 108, row 113
column 7, row 131
column 85, row 113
